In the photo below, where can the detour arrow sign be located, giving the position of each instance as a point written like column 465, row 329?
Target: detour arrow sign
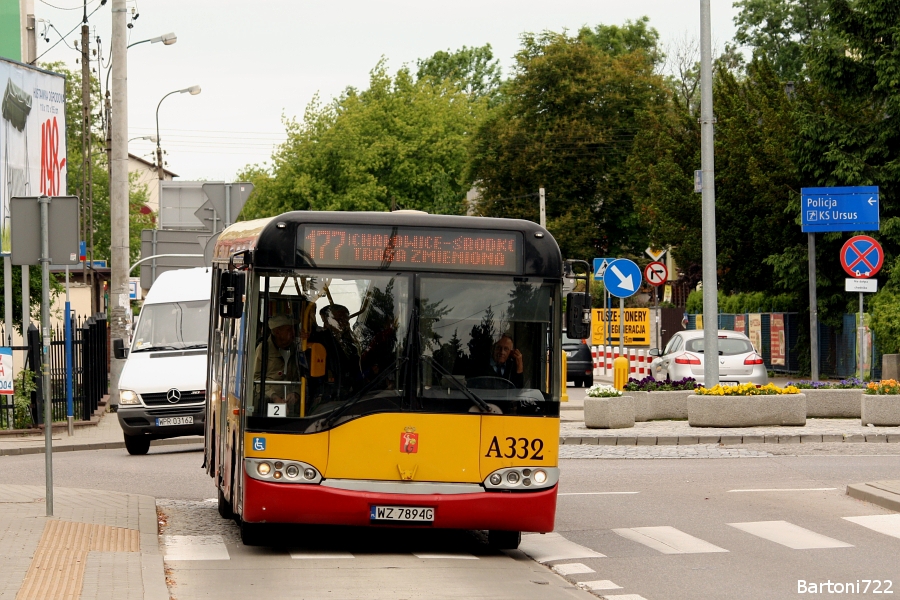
column 861, row 256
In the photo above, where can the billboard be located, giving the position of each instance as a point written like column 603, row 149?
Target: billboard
column 636, row 327
column 32, row 137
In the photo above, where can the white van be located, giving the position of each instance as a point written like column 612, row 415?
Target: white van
column 162, row 389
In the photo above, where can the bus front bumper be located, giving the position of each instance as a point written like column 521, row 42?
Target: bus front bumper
column 266, row 502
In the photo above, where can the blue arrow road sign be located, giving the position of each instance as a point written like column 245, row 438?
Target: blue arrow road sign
column 622, row 278
column 839, row 209
column 600, row 265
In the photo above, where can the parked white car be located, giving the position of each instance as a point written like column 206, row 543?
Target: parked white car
column 739, row 361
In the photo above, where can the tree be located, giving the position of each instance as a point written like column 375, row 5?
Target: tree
column 566, row 121
column 780, row 31
column 401, row 143
column 475, row 70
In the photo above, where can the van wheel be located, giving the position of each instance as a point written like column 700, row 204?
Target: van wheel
column 137, row 444
column 504, row 540
column 224, row 506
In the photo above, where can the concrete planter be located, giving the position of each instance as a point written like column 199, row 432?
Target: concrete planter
column 609, row 413
column 746, row 411
column 660, row 405
column 880, row 410
column 843, row 404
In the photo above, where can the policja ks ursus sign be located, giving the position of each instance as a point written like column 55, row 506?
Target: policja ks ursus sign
column 636, row 327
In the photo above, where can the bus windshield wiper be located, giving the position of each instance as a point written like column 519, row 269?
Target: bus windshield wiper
column 484, row 406
column 366, row 389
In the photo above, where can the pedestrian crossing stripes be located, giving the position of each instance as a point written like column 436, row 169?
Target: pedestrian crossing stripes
column 194, row 547
column 549, row 547
column 886, row 524
column 668, row 540
column 572, row 569
column 790, row 535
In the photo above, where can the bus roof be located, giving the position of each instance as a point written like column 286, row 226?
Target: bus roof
column 273, row 241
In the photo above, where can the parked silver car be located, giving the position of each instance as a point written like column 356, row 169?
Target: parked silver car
column 683, row 357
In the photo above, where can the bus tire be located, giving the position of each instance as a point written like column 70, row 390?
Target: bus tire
column 137, row 444
column 252, row 534
column 224, row 506
column 504, row 540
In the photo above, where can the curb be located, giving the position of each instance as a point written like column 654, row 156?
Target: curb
column 867, row 493
column 97, row 446
column 684, row 440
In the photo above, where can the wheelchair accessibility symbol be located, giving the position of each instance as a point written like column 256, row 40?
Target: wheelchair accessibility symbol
column 259, row 444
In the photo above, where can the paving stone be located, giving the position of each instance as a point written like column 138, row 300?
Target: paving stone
column 731, row 440
column 687, row 440
column 626, row 440
column 893, row 438
column 832, row 437
column 646, row 440
column 876, row 437
column 606, row 440
column 708, row 439
column 788, row 439
column 854, row 438
column 571, row 440
column 809, row 439
column 667, row 440
column 589, row 440
column 754, row 439
column 771, row 439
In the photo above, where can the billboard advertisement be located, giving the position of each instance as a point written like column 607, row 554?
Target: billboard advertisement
column 636, row 326
column 777, row 343
column 32, row 137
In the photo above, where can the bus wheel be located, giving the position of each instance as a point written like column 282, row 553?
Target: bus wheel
column 504, row 540
column 224, row 506
column 252, row 533
column 137, row 444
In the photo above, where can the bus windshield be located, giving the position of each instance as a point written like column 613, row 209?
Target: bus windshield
column 172, row 326
column 486, row 341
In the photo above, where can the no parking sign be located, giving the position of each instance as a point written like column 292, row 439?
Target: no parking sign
column 861, row 256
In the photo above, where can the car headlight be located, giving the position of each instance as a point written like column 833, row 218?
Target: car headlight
column 128, row 397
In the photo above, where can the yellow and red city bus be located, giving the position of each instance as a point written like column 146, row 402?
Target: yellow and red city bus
column 384, row 400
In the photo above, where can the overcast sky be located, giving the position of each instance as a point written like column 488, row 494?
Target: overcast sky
column 258, row 60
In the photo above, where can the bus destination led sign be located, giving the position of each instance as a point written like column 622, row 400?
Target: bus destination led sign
column 411, row 248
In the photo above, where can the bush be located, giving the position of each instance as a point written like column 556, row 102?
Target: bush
column 25, row 385
column 742, row 303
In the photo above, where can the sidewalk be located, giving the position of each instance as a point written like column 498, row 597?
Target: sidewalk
column 106, row 434
column 97, row 545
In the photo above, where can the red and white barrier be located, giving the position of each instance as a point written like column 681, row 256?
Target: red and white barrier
column 638, row 360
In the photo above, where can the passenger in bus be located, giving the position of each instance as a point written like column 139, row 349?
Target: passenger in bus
column 284, row 362
column 505, row 363
column 342, row 371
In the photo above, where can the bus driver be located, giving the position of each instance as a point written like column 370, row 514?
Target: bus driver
column 283, row 364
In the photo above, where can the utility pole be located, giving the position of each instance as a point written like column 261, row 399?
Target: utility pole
column 86, row 171
column 118, row 195
column 708, row 211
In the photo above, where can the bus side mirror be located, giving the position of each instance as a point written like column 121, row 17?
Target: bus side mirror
column 578, row 316
column 119, row 349
column 231, row 295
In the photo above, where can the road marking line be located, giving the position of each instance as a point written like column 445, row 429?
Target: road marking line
column 318, row 554
column 786, row 490
column 594, row 493
column 548, row 547
column 601, row 584
column 572, row 569
column 194, row 547
column 460, row 556
column 668, row 540
column 790, row 535
column 886, row 524
column 624, row 597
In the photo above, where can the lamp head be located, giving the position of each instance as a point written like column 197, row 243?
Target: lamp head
column 168, row 39
column 193, row 90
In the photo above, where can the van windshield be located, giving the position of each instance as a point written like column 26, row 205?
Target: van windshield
column 172, row 326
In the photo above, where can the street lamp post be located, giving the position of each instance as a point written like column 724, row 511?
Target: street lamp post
column 193, row 91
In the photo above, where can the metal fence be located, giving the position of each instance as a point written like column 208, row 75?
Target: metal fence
column 90, row 370
column 837, row 345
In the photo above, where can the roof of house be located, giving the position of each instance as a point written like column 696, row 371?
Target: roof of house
column 150, row 164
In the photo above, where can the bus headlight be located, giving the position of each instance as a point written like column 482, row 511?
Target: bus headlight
column 264, row 469
column 513, row 477
column 309, row 473
column 522, row 479
column 292, row 471
column 539, row 477
column 281, row 470
column 128, row 397
column 496, row 479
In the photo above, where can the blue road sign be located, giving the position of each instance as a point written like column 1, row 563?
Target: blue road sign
column 839, row 209
column 600, row 265
column 622, row 278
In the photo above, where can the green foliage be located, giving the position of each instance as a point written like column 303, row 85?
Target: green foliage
column 25, row 385
column 566, row 121
column 742, row 303
column 885, row 311
column 634, row 36
column 400, row 143
column 779, row 30
column 475, row 70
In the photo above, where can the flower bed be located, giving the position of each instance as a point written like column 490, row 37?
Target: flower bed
column 606, row 408
column 746, row 406
column 881, row 404
column 601, row 390
column 650, row 384
column 660, row 398
column 844, row 384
